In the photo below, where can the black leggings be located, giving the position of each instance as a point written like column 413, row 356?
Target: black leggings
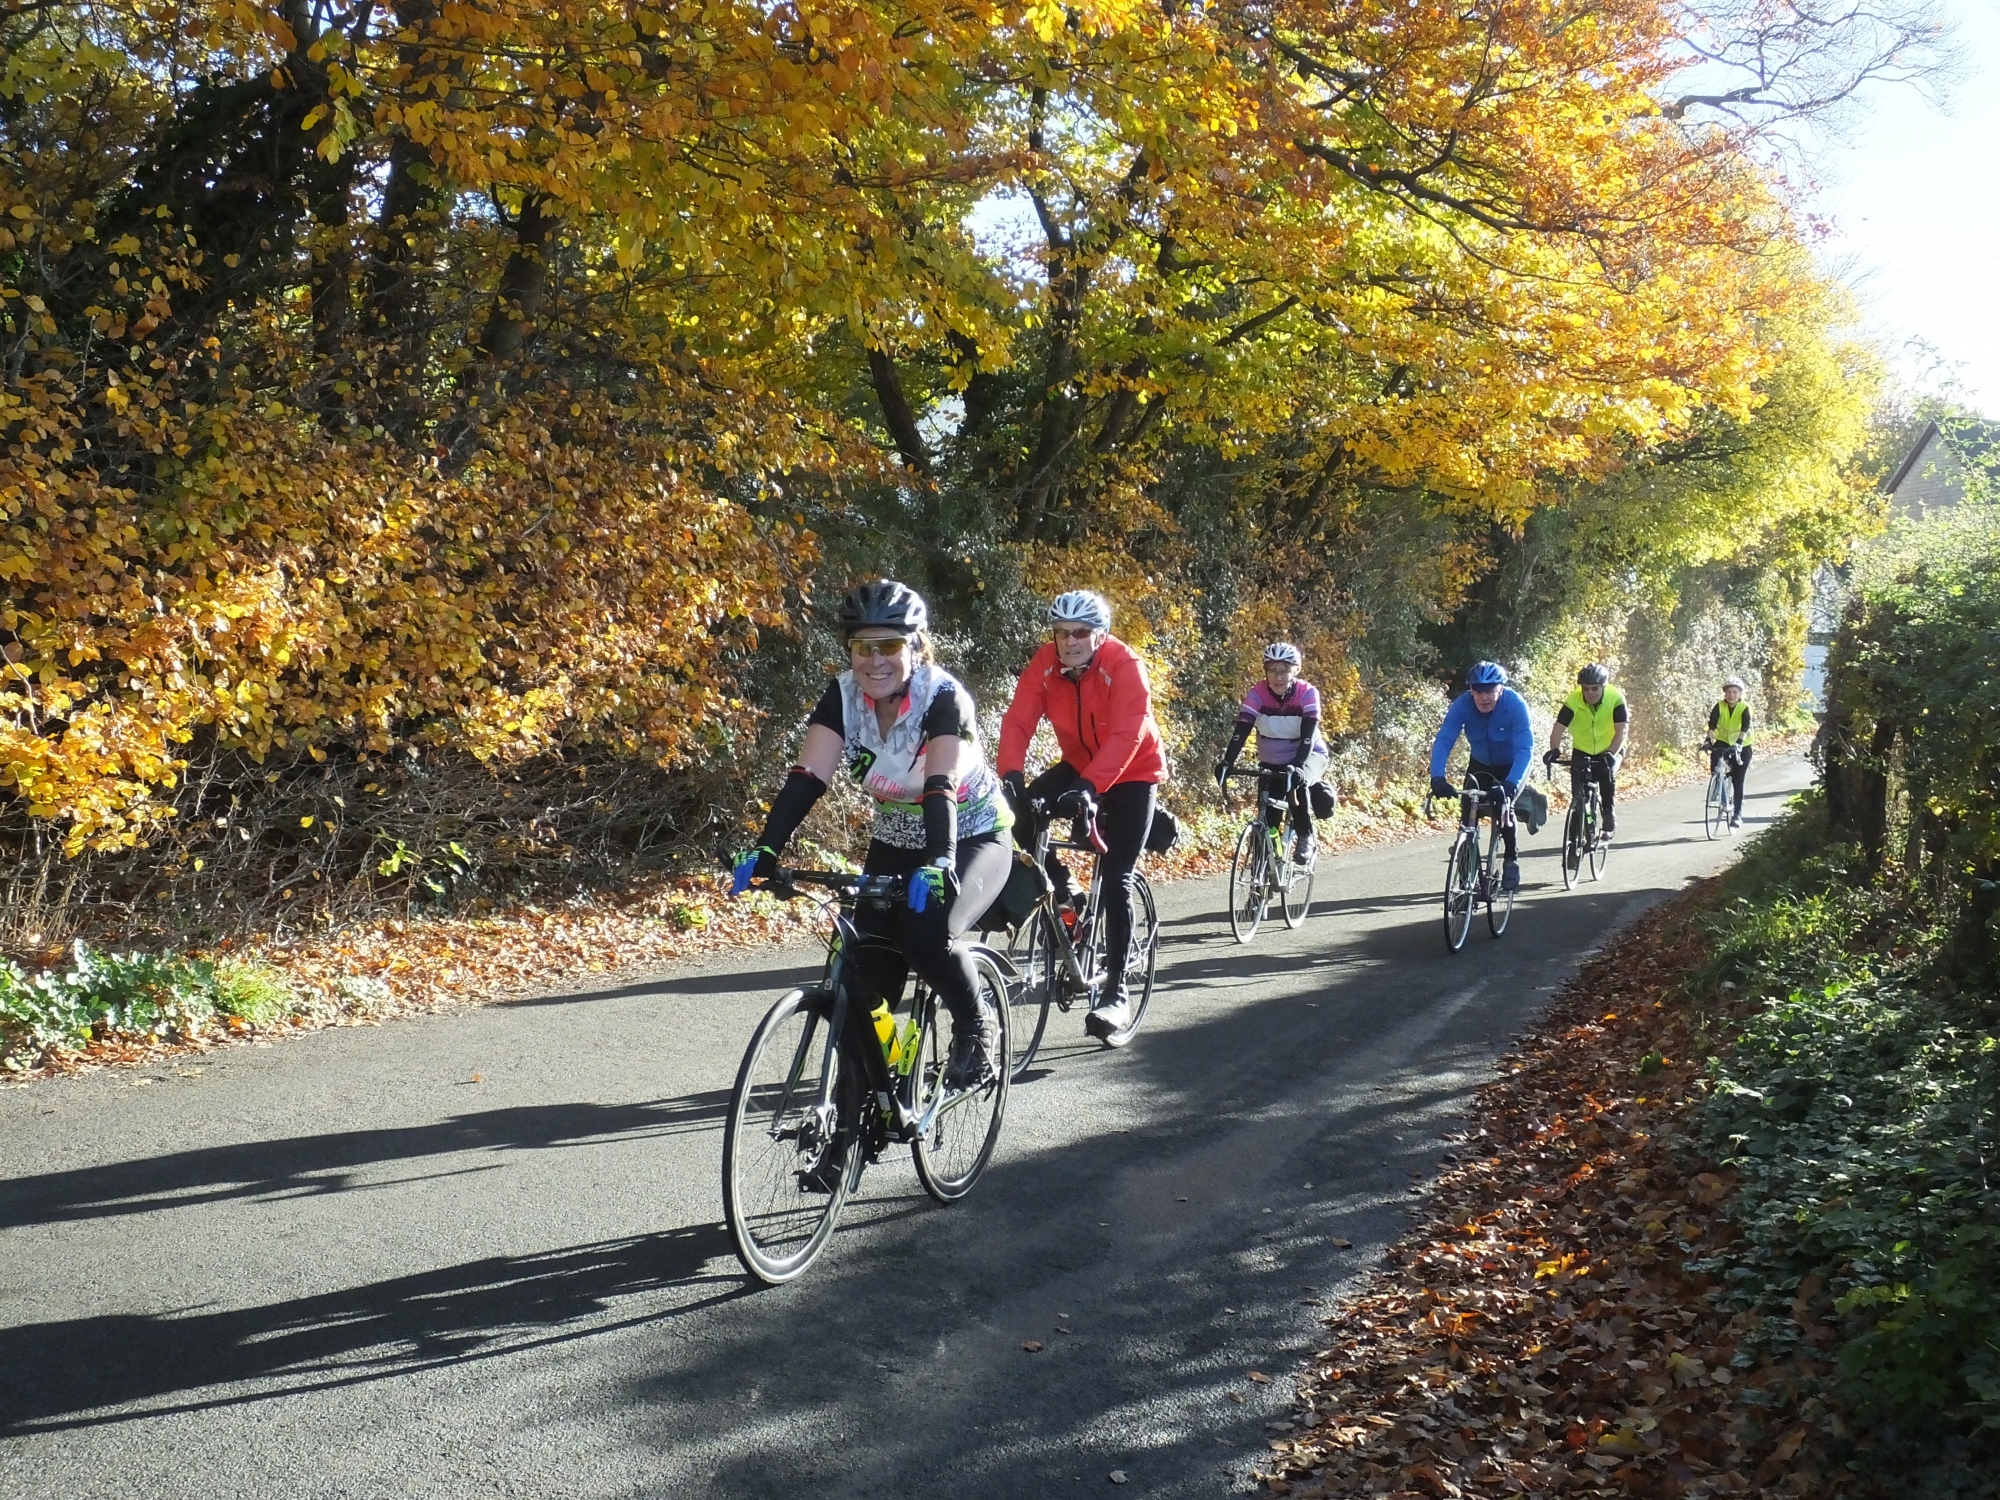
column 1599, row 768
column 1272, row 782
column 1737, row 772
column 903, row 940
column 1124, row 818
column 1486, row 777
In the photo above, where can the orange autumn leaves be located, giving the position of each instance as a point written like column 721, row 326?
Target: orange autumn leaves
column 436, row 375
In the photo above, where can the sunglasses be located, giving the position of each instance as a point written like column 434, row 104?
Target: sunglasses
column 894, row 645
column 1079, row 633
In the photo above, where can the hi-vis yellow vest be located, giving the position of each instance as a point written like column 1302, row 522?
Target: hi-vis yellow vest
column 1731, row 721
column 1591, row 730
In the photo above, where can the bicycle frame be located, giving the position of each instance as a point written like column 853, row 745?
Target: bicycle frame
column 890, row 1089
column 1093, row 845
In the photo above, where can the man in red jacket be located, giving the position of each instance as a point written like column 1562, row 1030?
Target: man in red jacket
column 1092, row 689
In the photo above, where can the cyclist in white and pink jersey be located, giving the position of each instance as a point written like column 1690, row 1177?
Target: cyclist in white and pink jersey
column 1284, row 710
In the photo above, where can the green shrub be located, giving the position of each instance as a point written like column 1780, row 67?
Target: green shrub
column 253, row 992
column 135, row 996
column 1856, row 1101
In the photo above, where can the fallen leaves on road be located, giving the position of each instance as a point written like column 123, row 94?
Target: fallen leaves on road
column 1541, row 1334
column 1033, row 1346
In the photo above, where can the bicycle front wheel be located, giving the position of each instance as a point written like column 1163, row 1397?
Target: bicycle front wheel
column 788, row 1160
column 960, row 1127
column 1247, row 893
column 1461, row 890
column 1298, row 894
column 1040, row 965
column 1499, row 900
column 1141, row 961
column 1715, row 806
column 1573, row 846
column 1599, row 850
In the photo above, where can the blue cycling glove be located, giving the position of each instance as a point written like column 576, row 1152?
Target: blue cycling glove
column 760, row 863
column 932, row 883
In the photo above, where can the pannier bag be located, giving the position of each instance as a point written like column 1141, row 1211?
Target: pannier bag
column 1531, row 808
column 1324, row 799
column 1165, row 832
column 1026, row 884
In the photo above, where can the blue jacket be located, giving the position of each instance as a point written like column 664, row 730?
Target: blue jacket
column 1501, row 738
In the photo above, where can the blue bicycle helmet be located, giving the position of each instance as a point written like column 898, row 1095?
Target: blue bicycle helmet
column 1486, row 674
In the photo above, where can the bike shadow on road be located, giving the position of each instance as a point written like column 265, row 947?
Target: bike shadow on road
column 736, row 981
column 79, row 1372
column 306, row 1166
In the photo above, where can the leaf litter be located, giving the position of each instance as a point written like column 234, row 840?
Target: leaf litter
column 1549, row 1331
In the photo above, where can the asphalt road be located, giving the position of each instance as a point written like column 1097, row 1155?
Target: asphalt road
column 480, row 1254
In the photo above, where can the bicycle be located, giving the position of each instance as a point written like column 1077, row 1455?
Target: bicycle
column 1259, row 871
column 1716, row 804
column 820, row 1094
column 1584, row 841
column 1061, row 953
column 1470, row 880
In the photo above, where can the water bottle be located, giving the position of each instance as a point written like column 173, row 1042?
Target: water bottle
column 885, row 1030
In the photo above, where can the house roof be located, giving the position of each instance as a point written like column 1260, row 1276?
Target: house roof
column 1968, row 441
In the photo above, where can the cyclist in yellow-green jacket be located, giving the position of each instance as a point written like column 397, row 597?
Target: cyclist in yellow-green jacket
column 1729, row 738
column 1597, row 719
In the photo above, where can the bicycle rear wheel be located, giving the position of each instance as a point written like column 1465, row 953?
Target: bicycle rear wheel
column 1499, row 900
column 1461, row 889
column 1594, row 831
column 1141, row 960
column 955, row 1148
column 1034, row 991
column 1715, row 806
column 788, row 1165
column 1248, row 893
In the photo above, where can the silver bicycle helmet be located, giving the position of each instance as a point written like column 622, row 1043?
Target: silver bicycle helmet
column 1594, row 675
column 1081, row 607
column 1284, row 651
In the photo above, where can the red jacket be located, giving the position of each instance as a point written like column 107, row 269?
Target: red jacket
column 1103, row 721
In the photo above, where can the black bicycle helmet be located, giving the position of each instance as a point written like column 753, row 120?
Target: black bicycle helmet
column 1594, row 675
column 884, row 603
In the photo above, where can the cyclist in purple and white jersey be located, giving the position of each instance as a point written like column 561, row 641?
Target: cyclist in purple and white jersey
column 1284, row 710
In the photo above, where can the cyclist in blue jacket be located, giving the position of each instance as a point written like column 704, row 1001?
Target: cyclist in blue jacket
column 1494, row 720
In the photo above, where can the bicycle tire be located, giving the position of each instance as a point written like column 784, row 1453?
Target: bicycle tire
column 779, row 1224
column 1295, row 899
column 1572, row 851
column 1141, row 962
column 1461, row 889
column 1034, row 992
column 1499, row 900
column 1715, row 805
column 1247, row 894
column 952, row 1154
column 1599, row 850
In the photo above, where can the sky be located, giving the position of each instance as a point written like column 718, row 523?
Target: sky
column 1912, row 199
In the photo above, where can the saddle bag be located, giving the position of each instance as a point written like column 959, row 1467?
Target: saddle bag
column 1027, row 883
column 1325, row 801
column 1531, row 808
column 1165, row 832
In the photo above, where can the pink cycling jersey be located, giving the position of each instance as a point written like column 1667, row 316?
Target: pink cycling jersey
column 1280, row 721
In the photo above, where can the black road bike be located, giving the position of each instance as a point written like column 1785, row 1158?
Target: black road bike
column 1585, row 843
column 1059, row 949
column 820, row 1094
column 1470, row 879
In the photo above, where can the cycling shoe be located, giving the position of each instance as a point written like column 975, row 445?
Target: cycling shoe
column 1109, row 1018
column 972, row 1050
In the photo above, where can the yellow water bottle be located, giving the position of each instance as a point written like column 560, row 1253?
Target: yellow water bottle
column 905, row 1056
column 885, row 1030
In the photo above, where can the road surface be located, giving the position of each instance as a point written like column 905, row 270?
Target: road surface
column 480, row 1254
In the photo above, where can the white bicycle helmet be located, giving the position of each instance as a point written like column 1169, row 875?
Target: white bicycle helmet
column 1284, row 651
column 1734, row 682
column 1081, row 607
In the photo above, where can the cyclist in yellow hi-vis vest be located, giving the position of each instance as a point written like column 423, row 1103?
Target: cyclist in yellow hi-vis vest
column 1729, row 735
column 1597, row 719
